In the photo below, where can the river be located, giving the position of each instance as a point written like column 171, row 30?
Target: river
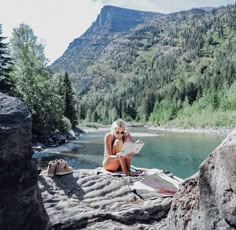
column 178, row 153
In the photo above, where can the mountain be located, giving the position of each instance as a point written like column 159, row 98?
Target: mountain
column 174, row 68
column 110, row 23
column 115, row 19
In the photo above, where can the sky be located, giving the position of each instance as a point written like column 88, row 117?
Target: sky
column 56, row 23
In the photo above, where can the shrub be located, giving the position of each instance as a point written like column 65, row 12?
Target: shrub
column 65, row 124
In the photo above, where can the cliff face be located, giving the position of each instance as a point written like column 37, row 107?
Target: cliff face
column 20, row 200
column 114, row 19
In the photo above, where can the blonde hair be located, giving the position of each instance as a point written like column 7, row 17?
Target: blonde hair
column 117, row 124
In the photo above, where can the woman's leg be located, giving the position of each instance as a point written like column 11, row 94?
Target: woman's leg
column 123, row 165
column 128, row 163
column 117, row 146
column 111, row 164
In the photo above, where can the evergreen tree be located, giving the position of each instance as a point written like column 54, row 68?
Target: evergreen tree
column 69, row 102
column 35, row 85
column 6, row 83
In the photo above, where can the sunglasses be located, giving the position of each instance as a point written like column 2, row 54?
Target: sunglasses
column 122, row 132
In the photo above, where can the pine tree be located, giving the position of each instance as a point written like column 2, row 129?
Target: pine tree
column 35, row 84
column 6, row 83
column 69, row 102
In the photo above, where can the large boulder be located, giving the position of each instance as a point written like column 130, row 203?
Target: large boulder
column 20, row 200
column 207, row 200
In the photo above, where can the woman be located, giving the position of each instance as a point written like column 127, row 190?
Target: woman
column 113, row 142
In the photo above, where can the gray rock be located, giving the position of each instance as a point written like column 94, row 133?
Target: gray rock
column 207, row 200
column 20, row 200
column 87, row 200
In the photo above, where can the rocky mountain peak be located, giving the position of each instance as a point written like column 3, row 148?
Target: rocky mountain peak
column 116, row 19
column 111, row 21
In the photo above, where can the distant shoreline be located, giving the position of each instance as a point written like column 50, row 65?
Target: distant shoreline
column 219, row 131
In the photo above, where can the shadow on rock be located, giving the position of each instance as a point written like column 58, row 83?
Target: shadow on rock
column 67, row 185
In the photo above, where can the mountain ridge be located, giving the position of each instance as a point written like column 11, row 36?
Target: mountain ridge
column 156, row 69
column 111, row 19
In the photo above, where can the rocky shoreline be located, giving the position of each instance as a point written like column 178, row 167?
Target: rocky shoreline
column 87, row 200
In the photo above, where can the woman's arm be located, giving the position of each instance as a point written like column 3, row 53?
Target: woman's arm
column 128, row 137
column 108, row 145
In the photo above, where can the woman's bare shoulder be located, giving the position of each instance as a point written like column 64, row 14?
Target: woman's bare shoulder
column 108, row 136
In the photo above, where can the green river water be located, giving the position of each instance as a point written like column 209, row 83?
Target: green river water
column 179, row 153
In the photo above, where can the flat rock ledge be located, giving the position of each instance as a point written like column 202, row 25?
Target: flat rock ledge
column 85, row 199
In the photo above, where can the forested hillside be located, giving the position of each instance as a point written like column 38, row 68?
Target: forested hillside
column 177, row 69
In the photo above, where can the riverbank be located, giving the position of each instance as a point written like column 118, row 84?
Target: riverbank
column 219, row 131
